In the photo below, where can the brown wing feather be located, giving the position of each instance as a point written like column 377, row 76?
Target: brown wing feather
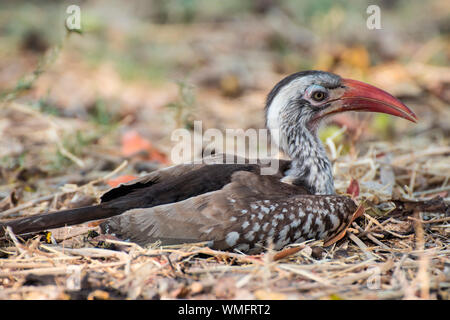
column 179, row 170
column 246, row 214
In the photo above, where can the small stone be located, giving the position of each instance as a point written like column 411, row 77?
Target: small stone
column 317, row 252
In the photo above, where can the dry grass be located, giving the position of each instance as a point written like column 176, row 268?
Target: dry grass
column 387, row 254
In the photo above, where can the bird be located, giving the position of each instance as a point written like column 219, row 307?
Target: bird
column 233, row 206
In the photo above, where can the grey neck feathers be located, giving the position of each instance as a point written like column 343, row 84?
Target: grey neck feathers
column 310, row 164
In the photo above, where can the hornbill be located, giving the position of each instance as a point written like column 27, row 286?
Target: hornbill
column 234, row 206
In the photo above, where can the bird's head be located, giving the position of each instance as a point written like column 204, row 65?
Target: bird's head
column 299, row 103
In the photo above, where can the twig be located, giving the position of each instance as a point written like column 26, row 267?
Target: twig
column 437, row 190
column 88, row 252
column 38, row 271
column 376, row 241
column 381, row 226
column 422, row 273
column 364, row 275
column 13, row 237
column 361, row 245
column 412, row 157
column 429, row 221
column 298, row 270
column 29, row 204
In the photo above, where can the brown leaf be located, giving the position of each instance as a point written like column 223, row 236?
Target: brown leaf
column 134, row 144
column 286, row 252
column 359, row 212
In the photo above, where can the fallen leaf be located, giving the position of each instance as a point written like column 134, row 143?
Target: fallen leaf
column 353, row 188
column 134, row 144
column 122, row 179
column 286, row 252
column 359, row 212
column 95, row 223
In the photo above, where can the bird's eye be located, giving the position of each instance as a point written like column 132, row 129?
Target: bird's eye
column 318, row 95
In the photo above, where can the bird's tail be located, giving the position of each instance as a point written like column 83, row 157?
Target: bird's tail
column 59, row 219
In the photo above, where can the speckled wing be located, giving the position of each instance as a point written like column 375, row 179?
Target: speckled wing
column 247, row 214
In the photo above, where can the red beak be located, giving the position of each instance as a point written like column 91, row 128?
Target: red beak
column 360, row 96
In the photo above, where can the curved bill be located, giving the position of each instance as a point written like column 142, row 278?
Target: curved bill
column 360, row 96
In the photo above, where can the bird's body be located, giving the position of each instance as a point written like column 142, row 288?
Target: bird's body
column 249, row 212
column 235, row 206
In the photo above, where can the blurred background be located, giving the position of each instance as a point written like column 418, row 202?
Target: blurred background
column 75, row 105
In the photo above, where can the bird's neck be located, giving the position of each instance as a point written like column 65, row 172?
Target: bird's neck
column 310, row 164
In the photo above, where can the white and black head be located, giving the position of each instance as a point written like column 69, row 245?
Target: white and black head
column 298, row 104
